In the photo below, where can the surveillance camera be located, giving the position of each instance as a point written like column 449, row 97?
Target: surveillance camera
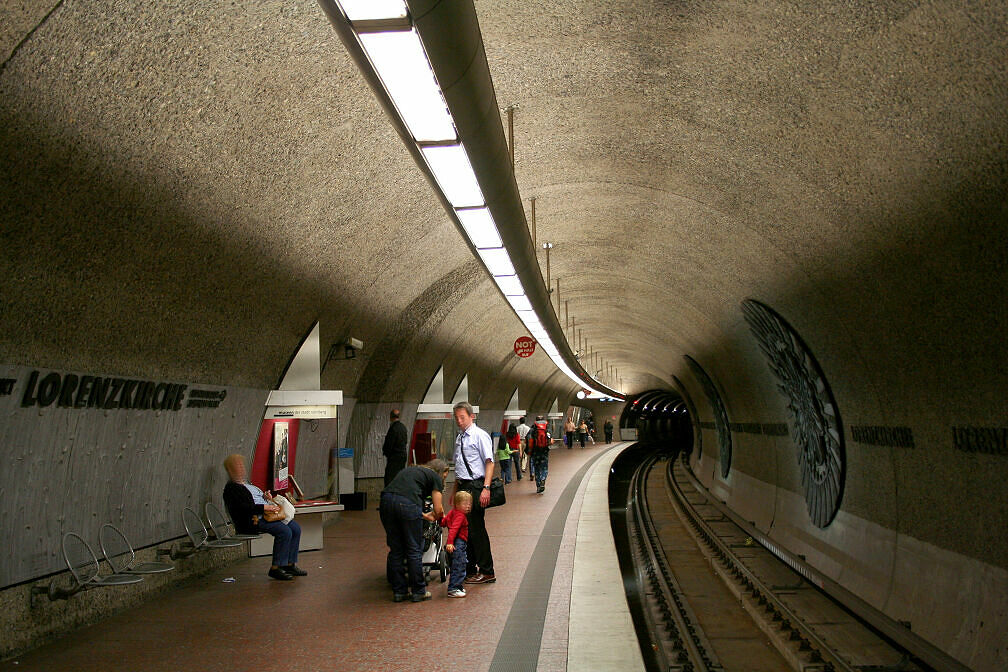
column 354, row 343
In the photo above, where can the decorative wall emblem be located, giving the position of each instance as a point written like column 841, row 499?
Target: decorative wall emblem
column 815, row 420
column 694, row 418
column 720, row 414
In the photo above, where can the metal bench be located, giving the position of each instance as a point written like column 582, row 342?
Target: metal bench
column 199, row 538
column 221, row 525
column 83, row 565
column 121, row 557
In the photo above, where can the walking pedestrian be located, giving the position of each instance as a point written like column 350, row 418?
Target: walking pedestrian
column 582, row 433
column 608, row 429
column 394, row 448
column 514, row 443
column 569, row 432
column 539, row 441
column 473, row 473
column 523, row 430
column 504, row 458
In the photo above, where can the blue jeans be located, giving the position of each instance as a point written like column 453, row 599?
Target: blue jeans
column 286, row 539
column 506, row 469
column 458, row 565
column 403, row 523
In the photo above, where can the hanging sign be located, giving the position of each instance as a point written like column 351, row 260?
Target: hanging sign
column 524, row 346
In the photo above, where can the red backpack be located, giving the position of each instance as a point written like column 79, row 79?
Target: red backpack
column 541, row 437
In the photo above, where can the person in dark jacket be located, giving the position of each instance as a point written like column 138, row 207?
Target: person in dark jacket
column 394, row 448
column 402, row 516
column 608, row 429
column 247, row 506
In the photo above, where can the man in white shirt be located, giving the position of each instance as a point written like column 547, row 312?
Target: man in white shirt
column 473, row 473
column 523, row 430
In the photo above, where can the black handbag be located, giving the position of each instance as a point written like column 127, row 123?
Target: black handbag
column 497, row 497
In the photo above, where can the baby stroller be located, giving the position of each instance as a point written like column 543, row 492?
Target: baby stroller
column 434, row 556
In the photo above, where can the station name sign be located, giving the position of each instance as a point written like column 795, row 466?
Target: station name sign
column 69, row 390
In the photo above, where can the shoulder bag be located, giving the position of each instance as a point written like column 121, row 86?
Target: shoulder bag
column 497, row 497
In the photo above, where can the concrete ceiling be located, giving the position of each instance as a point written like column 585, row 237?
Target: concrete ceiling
column 225, row 162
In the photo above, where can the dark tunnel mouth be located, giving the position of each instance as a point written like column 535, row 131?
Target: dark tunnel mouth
column 661, row 417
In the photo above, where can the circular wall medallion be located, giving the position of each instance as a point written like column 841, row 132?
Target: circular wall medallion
column 720, row 414
column 816, row 428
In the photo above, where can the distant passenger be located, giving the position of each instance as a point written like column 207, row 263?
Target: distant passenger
column 582, row 433
column 569, row 432
column 539, row 441
column 247, row 505
column 514, row 443
column 394, row 448
column 523, row 430
column 402, row 517
column 608, row 429
column 473, row 472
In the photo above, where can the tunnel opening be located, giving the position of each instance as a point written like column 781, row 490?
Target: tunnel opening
column 659, row 418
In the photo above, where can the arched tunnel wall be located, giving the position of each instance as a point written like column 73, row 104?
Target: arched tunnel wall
column 918, row 530
column 186, row 187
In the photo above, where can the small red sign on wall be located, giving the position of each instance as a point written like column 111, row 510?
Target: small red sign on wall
column 524, row 346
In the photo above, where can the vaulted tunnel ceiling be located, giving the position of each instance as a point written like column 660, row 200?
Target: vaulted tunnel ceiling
column 225, row 162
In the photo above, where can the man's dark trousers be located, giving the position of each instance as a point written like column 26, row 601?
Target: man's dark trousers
column 393, row 465
column 479, row 555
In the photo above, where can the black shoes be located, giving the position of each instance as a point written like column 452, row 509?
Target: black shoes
column 420, row 597
column 294, row 570
column 540, row 489
column 399, row 597
column 280, row 575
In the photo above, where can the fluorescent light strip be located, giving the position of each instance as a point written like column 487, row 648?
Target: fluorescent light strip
column 497, row 261
column 509, row 285
column 454, row 174
column 401, row 62
column 519, row 302
column 480, row 228
column 368, row 10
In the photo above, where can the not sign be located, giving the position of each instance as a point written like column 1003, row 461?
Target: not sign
column 524, row 346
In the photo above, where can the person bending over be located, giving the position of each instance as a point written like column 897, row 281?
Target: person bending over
column 402, row 516
column 247, row 505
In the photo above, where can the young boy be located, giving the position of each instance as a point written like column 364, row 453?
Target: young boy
column 458, row 537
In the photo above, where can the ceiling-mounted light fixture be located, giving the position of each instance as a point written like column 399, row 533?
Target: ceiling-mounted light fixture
column 383, row 38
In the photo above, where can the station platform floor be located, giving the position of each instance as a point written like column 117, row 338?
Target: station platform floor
column 558, row 603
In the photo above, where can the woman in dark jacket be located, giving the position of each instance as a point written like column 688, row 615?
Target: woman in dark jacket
column 247, row 506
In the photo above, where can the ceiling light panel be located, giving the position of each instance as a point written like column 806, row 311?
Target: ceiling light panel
column 520, row 302
column 369, row 10
column 454, row 174
column 497, row 261
column 400, row 61
column 480, row 228
column 509, row 285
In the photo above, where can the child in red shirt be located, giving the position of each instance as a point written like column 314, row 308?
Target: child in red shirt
column 458, row 537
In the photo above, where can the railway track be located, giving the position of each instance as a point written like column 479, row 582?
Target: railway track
column 710, row 597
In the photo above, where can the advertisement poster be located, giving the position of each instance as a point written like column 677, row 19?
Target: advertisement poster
column 280, row 431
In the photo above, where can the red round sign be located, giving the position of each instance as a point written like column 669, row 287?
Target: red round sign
column 524, row 346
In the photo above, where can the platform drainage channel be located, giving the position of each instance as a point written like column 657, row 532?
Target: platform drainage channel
column 518, row 648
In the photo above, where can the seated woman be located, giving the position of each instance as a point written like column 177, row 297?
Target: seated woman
column 247, row 506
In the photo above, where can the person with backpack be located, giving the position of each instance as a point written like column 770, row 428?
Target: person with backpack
column 539, row 441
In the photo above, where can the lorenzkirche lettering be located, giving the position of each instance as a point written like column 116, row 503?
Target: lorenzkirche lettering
column 72, row 391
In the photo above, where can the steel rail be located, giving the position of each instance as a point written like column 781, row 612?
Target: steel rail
column 684, row 645
column 921, row 649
